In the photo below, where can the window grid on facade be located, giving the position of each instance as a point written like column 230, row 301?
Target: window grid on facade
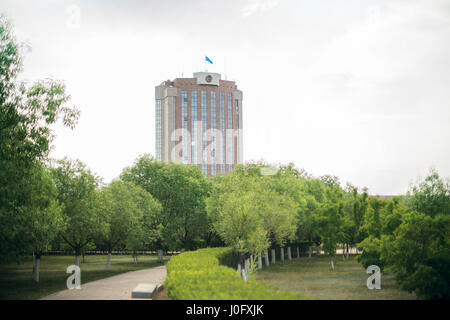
column 194, row 127
column 158, row 131
column 222, row 130
column 174, row 112
column 204, row 127
column 237, row 127
column 213, row 133
column 230, row 132
column 184, row 125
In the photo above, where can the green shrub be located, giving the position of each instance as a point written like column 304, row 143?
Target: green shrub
column 198, row 275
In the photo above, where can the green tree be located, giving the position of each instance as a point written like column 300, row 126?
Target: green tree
column 26, row 116
column 382, row 218
column 373, row 224
column 315, row 196
column 181, row 190
column 149, row 229
column 249, row 214
column 330, row 220
column 129, row 213
column 355, row 208
column 78, row 193
column 431, row 196
column 330, row 227
column 38, row 218
column 418, row 253
column 411, row 237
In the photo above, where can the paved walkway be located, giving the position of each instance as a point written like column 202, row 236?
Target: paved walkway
column 113, row 288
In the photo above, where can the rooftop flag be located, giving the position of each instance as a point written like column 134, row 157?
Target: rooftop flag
column 208, row 60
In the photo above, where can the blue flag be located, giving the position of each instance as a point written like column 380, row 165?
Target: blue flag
column 208, row 60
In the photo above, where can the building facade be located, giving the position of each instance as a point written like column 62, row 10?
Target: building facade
column 199, row 121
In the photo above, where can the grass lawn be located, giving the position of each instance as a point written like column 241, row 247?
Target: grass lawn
column 313, row 277
column 16, row 279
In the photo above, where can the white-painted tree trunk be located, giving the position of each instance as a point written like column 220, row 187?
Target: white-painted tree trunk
column 244, row 275
column 273, row 256
column 160, row 256
column 259, row 261
column 37, row 263
column 282, row 254
column 332, row 264
column 298, row 252
column 266, row 257
column 289, row 253
column 77, row 261
column 108, row 261
column 309, row 252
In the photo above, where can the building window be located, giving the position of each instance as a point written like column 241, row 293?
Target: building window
column 204, row 127
column 213, row 133
column 158, row 132
column 222, row 130
column 174, row 112
column 194, row 127
column 237, row 128
column 184, row 125
column 230, row 131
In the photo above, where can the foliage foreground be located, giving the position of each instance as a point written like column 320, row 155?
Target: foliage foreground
column 198, row 275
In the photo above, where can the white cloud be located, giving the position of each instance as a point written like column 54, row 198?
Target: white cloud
column 254, row 6
column 395, row 59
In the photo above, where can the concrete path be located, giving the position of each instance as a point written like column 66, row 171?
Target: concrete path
column 113, row 288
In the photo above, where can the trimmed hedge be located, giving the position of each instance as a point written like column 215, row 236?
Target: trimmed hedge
column 198, row 275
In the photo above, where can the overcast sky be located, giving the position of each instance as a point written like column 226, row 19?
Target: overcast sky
column 357, row 88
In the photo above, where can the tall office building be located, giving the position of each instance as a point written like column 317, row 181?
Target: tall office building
column 199, row 121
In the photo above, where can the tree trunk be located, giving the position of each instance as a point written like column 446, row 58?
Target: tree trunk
column 36, row 265
column 77, row 256
column 108, row 261
column 160, row 256
column 241, row 258
column 266, row 257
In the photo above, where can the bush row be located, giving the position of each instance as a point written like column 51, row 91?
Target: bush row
column 199, row 275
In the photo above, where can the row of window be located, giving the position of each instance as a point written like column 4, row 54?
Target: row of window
column 184, row 125
column 194, row 136
column 158, row 129
column 213, row 137
column 230, row 133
